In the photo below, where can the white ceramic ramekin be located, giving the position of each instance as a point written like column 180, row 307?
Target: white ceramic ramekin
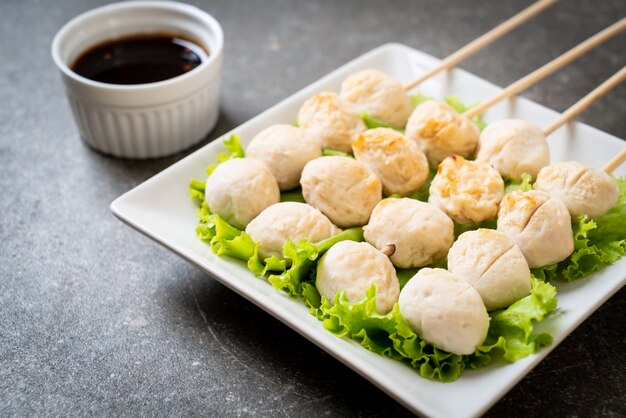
column 142, row 120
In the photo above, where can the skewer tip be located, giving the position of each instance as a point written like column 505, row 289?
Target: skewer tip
column 388, row 250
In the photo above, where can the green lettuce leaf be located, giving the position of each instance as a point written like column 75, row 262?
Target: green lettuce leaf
column 597, row 243
column 461, row 228
column 223, row 238
column 524, row 184
column 196, row 190
column 233, row 148
column 294, row 195
column 328, row 152
column 389, row 335
column 294, row 274
column 611, row 226
column 456, row 104
column 510, row 332
column 404, row 275
column 418, row 98
column 371, row 122
column 511, row 329
column 298, row 279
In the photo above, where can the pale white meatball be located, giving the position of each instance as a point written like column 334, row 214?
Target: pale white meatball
column 585, row 190
column 539, row 224
column 419, row 232
column 396, row 160
column 513, row 147
column 288, row 221
column 329, row 122
column 352, row 267
column 285, row 149
column 491, row 262
column 441, row 131
column 444, row 310
column 467, row 191
column 343, row 188
column 377, row 94
column 239, row 189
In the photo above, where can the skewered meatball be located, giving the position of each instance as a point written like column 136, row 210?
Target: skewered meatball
column 585, row 191
column 444, row 310
column 396, row 160
column 352, row 267
column 467, row 191
column 441, row 131
column 285, row 149
column 419, row 233
column 377, row 94
column 329, row 122
column 288, row 221
column 513, row 147
column 491, row 262
column 239, row 189
column 342, row 188
column 539, row 224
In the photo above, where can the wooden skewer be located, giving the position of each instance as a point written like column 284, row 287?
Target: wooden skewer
column 484, row 40
column 549, row 68
column 388, row 250
column 615, row 162
column 586, row 101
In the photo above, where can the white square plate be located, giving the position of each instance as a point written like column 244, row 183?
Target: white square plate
column 161, row 209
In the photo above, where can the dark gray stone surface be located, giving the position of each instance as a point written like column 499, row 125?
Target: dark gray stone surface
column 95, row 319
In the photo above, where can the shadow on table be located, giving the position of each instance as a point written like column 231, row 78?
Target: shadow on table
column 271, row 356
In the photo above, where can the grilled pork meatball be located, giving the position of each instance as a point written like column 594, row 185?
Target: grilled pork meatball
column 585, row 190
column 342, row 188
column 352, row 267
column 441, row 131
column 329, row 122
column 419, row 233
column 513, row 147
column 377, row 94
column 239, row 189
column 444, row 310
column 288, row 221
column 539, row 224
column 491, row 262
column 285, row 149
column 396, row 160
column 467, row 191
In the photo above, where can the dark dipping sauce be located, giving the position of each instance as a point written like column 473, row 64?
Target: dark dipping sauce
column 140, row 59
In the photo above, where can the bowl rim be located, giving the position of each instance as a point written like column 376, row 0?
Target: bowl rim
column 193, row 11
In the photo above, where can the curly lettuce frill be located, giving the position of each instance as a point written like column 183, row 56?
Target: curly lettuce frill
column 294, row 274
column 372, row 123
column 524, row 184
column 510, row 332
column 511, row 329
column 597, row 243
column 297, row 279
column 329, row 152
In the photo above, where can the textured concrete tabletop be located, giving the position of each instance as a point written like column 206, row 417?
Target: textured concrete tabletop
column 95, row 319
